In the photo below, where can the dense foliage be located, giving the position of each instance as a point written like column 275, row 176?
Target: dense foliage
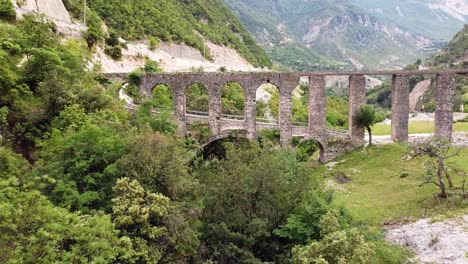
column 188, row 22
column 82, row 180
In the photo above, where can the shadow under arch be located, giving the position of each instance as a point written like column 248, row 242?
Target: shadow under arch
column 212, row 147
column 307, row 147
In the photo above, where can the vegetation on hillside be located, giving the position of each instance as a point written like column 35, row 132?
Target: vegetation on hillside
column 189, row 22
column 84, row 180
column 454, row 50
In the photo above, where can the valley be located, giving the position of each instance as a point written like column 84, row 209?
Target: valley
column 249, row 131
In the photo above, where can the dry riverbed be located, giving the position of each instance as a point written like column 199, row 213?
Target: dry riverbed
column 433, row 242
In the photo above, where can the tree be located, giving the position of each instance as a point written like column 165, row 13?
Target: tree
column 7, row 10
column 247, row 195
column 36, row 231
column 82, row 165
column 160, row 166
column 335, row 246
column 367, row 117
column 138, row 214
column 438, row 150
column 94, row 33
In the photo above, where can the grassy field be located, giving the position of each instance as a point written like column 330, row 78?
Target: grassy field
column 417, row 127
column 376, row 192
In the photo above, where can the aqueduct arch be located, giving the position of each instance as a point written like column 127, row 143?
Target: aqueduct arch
column 286, row 83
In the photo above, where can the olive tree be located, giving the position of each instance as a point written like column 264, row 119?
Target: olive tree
column 367, row 117
column 438, row 151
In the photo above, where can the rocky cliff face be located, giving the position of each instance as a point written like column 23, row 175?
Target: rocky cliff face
column 51, row 8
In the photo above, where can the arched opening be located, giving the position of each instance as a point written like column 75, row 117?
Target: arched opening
column 162, row 97
column 217, row 148
column 300, row 105
column 197, row 107
column 308, row 149
column 197, row 99
column 337, row 94
column 232, row 100
column 267, row 118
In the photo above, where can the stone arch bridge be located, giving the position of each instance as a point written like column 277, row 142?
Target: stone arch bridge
column 286, row 82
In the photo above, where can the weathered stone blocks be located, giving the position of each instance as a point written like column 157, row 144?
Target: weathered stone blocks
column 445, row 90
column 357, row 98
column 400, row 108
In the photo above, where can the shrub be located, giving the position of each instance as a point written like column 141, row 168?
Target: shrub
column 115, row 52
column 153, row 43
column 7, row 11
column 151, row 66
column 135, row 77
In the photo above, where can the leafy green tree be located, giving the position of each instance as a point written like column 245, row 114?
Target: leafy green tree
column 42, row 64
column 367, row 117
column 94, row 33
column 438, row 150
column 35, row 231
column 37, row 32
column 162, row 121
column 151, row 66
column 7, row 11
column 138, row 214
column 82, row 166
column 162, row 97
column 335, row 246
column 248, row 194
column 160, row 165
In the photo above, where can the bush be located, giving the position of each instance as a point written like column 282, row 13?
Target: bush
column 153, row 43
column 115, row 52
column 151, row 66
column 7, row 11
column 135, row 77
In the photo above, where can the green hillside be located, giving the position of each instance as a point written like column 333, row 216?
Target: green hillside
column 181, row 21
column 453, row 52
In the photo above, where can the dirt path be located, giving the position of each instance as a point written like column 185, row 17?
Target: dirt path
column 439, row 242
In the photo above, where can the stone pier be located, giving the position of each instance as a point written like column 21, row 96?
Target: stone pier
column 445, row 90
column 400, row 108
column 357, row 98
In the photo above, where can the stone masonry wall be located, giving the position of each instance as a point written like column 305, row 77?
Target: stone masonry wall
column 400, row 108
column 286, row 83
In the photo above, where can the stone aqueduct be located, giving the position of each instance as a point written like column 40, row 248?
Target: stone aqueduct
column 286, row 82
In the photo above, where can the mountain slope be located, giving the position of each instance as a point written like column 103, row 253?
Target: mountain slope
column 439, row 19
column 189, row 22
column 455, row 53
column 331, row 30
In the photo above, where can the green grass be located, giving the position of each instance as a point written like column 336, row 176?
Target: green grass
column 417, row 127
column 377, row 194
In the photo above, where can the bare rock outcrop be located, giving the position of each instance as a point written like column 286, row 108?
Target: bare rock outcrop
column 418, row 91
column 54, row 9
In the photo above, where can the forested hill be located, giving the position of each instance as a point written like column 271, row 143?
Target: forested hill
column 455, row 53
column 181, row 21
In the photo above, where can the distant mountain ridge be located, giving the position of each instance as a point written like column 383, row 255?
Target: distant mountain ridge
column 438, row 19
column 321, row 34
